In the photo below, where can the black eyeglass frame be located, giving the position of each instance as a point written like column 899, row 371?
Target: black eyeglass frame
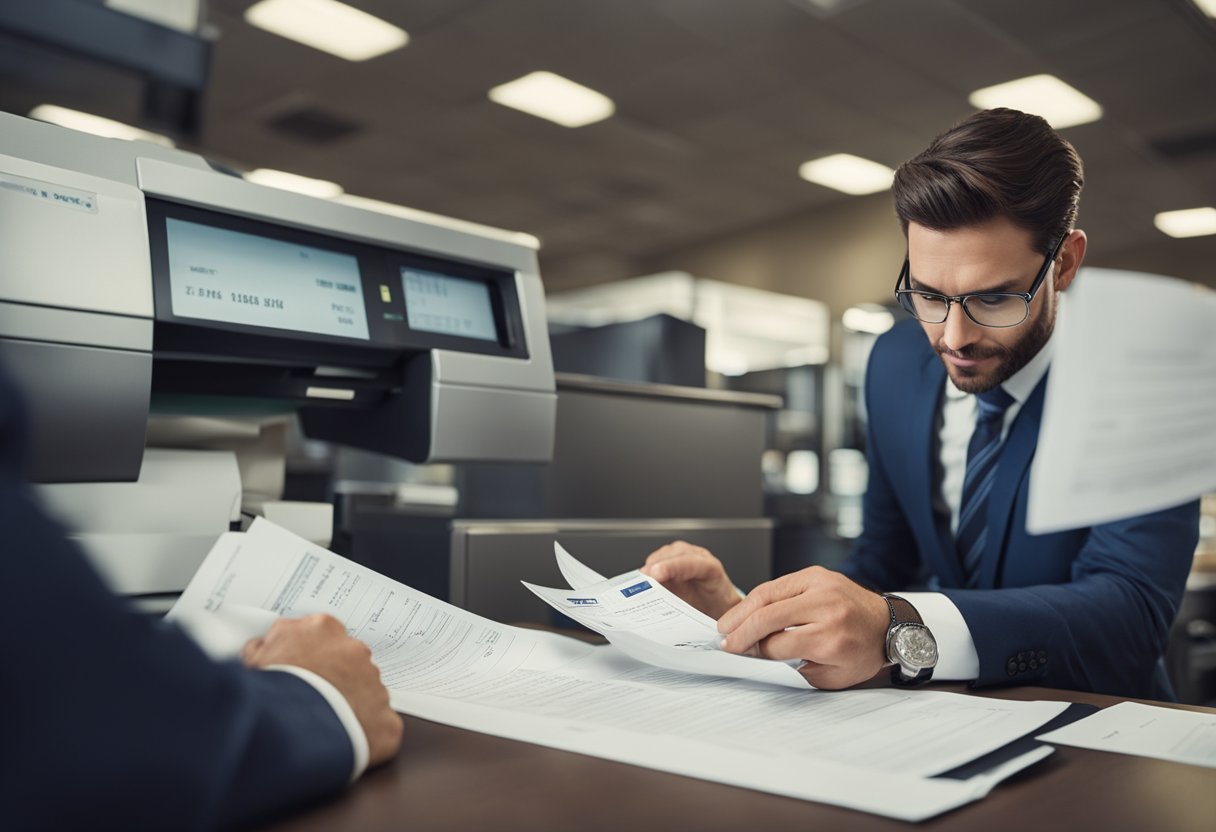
column 961, row 300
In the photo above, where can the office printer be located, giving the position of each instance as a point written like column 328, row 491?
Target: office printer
column 135, row 278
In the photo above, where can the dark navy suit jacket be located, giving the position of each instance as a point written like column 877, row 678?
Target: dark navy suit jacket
column 110, row 720
column 1088, row 609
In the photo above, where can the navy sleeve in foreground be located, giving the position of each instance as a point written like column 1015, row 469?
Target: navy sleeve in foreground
column 110, row 720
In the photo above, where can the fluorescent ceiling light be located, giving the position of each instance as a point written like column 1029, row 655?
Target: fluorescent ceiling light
column 393, row 209
column 1045, row 95
column 727, row 362
column 1193, row 222
column 322, row 188
column 89, row 123
column 176, row 14
column 328, row 25
column 868, row 317
column 1208, row 7
column 848, row 173
column 555, row 98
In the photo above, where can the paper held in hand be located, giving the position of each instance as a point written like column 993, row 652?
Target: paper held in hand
column 871, row 750
column 1131, row 401
column 647, row 622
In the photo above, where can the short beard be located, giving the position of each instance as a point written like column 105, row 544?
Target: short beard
column 1011, row 358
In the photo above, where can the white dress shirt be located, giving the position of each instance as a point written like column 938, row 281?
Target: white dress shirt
column 957, row 659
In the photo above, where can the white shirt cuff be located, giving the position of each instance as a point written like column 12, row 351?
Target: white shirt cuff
column 343, row 710
column 956, row 656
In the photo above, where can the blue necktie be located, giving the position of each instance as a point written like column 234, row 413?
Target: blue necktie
column 982, row 455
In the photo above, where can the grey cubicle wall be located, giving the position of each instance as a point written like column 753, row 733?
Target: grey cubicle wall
column 634, row 450
column 660, row 349
column 490, row 558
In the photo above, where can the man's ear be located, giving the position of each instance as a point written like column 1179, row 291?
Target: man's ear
column 1072, row 252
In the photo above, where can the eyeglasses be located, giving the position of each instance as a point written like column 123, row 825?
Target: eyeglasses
column 994, row 309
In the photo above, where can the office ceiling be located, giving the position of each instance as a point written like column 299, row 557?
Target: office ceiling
column 718, row 102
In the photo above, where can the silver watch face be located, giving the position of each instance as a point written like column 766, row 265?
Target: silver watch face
column 914, row 646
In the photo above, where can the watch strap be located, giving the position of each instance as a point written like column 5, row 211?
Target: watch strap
column 922, row 676
column 902, row 612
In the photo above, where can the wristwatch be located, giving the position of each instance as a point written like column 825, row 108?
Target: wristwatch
column 911, row 648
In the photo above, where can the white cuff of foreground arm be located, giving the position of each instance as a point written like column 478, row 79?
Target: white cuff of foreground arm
column 957, row 659
column 346, row 714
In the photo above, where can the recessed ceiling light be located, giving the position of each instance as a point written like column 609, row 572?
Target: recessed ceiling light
column 182, row 15
column 283, row 180
column 848, row 173
column 1192, row 222
column 1208, row 7
column 393, row 209
column 89, row 123
column 1045, row 95
column 868, row 317
column 328, row 25
column 555, row 98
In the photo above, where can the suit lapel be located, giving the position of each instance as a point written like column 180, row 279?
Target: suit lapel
column 1010, row 471
column 939, row 554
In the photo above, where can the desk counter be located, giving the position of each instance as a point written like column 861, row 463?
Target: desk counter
column 451, row 779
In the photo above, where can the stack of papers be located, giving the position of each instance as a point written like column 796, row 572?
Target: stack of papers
column 871, row 750
column 1146, row 731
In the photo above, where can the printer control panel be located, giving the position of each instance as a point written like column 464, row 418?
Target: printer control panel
column 215, row 271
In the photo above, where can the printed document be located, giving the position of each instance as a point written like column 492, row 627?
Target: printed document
column 648, row 622
column 1144, row 730
column 871, row 750
column 1131, row 402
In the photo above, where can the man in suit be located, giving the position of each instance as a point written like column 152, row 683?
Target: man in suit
column 110, row 720
column 954, row 401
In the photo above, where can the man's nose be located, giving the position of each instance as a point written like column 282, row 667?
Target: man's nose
column 960, row 331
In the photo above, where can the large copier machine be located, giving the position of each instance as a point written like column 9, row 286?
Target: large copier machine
column 135, row 278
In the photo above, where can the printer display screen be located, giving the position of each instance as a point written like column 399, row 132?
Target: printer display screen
column 447, row 305
column 217, row 274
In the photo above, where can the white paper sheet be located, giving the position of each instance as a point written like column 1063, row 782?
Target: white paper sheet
column 433, row 645
column 648, row 622
column 1129, row 418
column 576, row 573
column 872, row 750
column 1146, row 731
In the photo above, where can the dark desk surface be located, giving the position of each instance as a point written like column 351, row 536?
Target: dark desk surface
column 451, row 779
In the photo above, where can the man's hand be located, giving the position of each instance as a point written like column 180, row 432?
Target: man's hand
column 693, row 574
column 839, row 627
column 319, row 643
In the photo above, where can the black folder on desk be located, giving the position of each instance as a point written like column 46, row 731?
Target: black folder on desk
column 1020, row 746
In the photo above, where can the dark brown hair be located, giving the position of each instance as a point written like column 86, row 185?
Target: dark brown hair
column 997, row 163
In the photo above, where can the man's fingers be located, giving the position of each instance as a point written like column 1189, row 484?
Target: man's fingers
column 682, row 569
column 771, row 592
column 765, row 621
column 676, row 549
column 250, row 649
column 654, row 570
column 797, row 643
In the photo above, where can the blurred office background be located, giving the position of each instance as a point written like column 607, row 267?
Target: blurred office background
column 712, row 301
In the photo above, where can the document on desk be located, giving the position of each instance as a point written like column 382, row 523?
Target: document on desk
column 1130, row 403
column 648, row 622
column 871, row 750
column 1146, row 731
